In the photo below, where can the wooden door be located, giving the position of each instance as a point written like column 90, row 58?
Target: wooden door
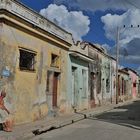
column 74, row 94
column 55, row 89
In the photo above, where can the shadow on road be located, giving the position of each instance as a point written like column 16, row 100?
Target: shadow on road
column 127, row 115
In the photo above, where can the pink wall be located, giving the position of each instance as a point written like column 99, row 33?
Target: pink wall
column 134, row 79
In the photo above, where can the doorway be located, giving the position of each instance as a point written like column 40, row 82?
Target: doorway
column 55, row 89
column 52, row 89
column 74, row 87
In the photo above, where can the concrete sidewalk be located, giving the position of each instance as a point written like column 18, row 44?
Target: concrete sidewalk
column 27, row 131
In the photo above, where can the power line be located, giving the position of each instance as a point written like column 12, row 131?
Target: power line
column 131, row 3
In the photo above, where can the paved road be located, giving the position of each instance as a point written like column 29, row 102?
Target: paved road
column 122, row 123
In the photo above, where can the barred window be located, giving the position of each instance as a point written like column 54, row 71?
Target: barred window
column 27, row 60
column 54, row 60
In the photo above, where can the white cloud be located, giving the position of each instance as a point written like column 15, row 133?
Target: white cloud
column 74, row 22
column 102, row 5
column 107, row 47
column 121, row 67
column 129, row 18
column 129, row 37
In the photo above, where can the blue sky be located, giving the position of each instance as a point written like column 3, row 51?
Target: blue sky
column 96, row 32
column 96, row 21
column 37, row 5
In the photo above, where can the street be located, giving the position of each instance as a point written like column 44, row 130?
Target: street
column 120, row 123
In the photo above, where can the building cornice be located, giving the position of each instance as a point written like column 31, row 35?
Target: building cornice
column 81, row 56
column 26, row 14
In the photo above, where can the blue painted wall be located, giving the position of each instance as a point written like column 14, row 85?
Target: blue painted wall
column 81, row 82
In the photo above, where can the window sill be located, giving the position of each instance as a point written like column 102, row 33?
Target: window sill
column 55, row 66
column 29, row 71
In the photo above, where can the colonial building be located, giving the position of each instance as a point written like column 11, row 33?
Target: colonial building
column 33, row 62
column 78, row 91
column 102, row 76
column 134, row 78
column 45, row 73
column 124, row 85
column 108, row 78
column 113, row 80
column 94, row 52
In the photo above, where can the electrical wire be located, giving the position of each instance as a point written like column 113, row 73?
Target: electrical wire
column 131, row 3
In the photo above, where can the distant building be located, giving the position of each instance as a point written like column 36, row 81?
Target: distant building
column 102, row 76
column 124, row 85
column 134, row 81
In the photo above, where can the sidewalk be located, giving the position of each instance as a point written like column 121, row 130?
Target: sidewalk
column 25, row 132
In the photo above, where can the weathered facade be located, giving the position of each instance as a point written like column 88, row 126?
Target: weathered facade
column 33, row 62
column 124, row 86
column 134, row 78
column 108, row 71
column 102, row 76
column 138, row 86
column 78, row 92
column 113, row 80
column 95, row 53
column 108, row 79
column 44, row 73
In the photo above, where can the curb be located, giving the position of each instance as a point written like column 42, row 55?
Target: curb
column 74, row 119
column 78, row 116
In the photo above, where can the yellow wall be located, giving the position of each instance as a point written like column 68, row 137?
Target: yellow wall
column 27, row 90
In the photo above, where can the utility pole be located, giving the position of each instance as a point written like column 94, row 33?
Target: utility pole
column 117, row 62
column 117, row 57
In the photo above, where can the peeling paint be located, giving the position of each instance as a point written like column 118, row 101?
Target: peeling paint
column 27, row 97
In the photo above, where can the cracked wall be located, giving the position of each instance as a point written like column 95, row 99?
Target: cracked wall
column 26, row 90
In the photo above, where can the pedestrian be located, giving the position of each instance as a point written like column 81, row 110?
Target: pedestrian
column 5, row 120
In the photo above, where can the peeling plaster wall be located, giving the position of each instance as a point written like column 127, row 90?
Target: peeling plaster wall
column 80, row 98
column 133, row 82
column 106, row 79
column 27, row 90
column 124, row 86
column 62, row 98
column 7, row 61
column 96, row 81
column 102, row 84
column 113, row 83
